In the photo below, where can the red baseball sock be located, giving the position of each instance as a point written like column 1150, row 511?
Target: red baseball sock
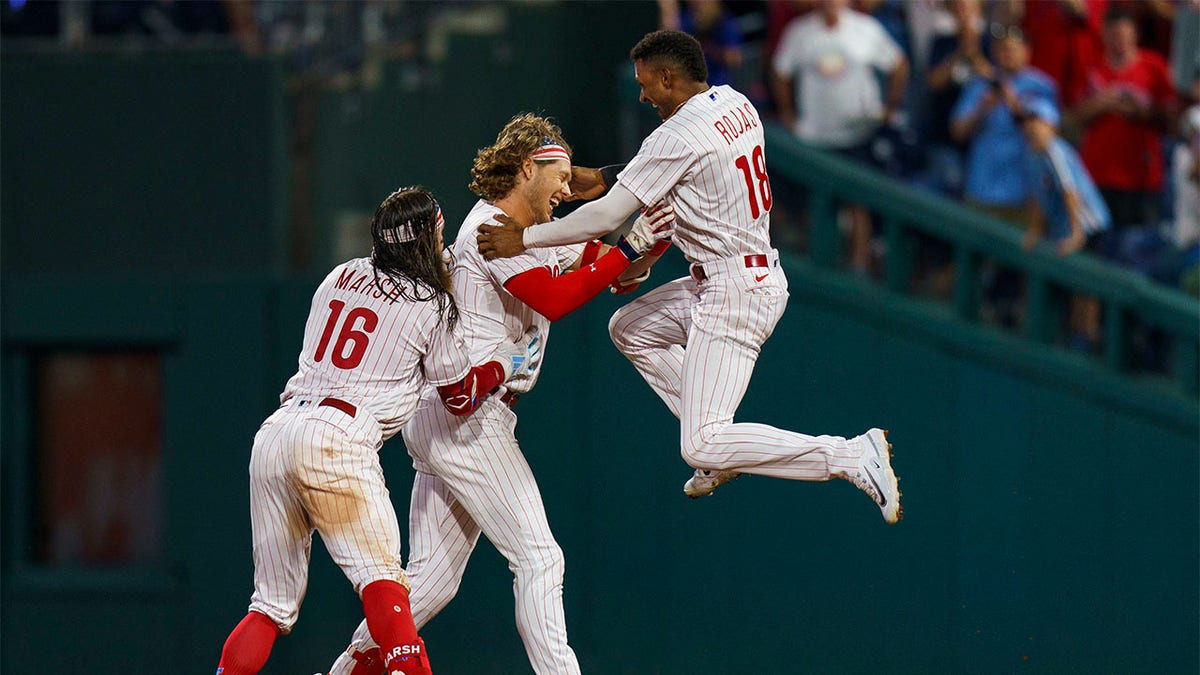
column 248, row 646
column 389, row 618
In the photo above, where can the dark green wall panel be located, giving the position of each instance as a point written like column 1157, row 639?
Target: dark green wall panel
column 1044, row 531
column 160, row 163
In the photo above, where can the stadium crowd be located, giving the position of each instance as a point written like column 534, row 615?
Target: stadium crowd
column 937, row 93
column 944, row 95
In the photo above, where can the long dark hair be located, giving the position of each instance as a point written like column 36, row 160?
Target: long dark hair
column 407, row 249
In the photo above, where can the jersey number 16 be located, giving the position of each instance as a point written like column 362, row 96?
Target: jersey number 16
column 356, row 337
column 760, row 176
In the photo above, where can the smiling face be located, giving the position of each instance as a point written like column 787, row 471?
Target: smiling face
column 547, row 188
column 653, row 88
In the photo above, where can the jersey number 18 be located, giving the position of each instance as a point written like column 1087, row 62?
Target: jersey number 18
column 760, row 177
column 357, row 337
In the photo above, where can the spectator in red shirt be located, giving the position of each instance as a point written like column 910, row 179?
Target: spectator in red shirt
column 1129, row 106
column 1155, row 21
column 1064, row 39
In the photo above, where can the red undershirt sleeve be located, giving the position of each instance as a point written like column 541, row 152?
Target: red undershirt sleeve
column 555, row 297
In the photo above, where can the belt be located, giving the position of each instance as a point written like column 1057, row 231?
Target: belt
column 338, row 403
column 755, row 260
column 509, row 398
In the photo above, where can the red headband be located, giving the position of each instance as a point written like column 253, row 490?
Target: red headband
column 550, row 152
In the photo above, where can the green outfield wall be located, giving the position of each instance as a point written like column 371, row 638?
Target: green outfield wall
column 1047, row 528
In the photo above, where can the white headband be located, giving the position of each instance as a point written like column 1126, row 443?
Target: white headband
column 408, row 230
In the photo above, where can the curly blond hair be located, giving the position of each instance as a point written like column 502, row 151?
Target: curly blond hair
column 494, row 173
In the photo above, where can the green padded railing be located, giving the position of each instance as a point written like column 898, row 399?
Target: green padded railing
column 1127, row 299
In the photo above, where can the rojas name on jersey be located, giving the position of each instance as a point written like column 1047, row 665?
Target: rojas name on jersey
column 735, row 122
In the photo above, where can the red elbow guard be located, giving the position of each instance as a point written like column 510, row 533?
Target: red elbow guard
column 465, row 396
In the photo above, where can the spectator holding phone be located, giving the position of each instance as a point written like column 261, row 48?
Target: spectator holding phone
column 983, row 118
column 1129, row 106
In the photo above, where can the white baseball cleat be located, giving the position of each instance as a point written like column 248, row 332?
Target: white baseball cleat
column 703, row 482
column 875, row 477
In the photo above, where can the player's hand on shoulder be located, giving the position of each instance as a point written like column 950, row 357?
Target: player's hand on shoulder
column 501, row 240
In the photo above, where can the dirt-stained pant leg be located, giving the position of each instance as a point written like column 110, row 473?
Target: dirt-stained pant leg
column 318, row 469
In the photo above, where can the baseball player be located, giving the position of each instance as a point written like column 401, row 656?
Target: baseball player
column 471, row 476
column 380, row 328
column 695, row 340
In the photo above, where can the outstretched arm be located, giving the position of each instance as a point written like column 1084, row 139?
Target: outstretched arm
column 590, row 221
column 556, row 296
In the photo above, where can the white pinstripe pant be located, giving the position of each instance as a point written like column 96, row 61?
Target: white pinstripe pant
column 695, row 343
column 473, row 479
column 317, row 468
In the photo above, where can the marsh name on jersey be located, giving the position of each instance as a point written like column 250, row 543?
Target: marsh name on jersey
column 358, row 282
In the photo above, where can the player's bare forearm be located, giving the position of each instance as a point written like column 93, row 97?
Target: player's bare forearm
column 592, row 183
column 586, row 183
column 500, row 241
column 638, row 267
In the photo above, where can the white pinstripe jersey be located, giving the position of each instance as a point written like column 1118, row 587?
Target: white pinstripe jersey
column 374, row 350
column 707, row 160
column 489, row 312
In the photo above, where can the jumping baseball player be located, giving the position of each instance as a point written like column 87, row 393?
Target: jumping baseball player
column 379, row 330
column 471, row 475
column 695, row 340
